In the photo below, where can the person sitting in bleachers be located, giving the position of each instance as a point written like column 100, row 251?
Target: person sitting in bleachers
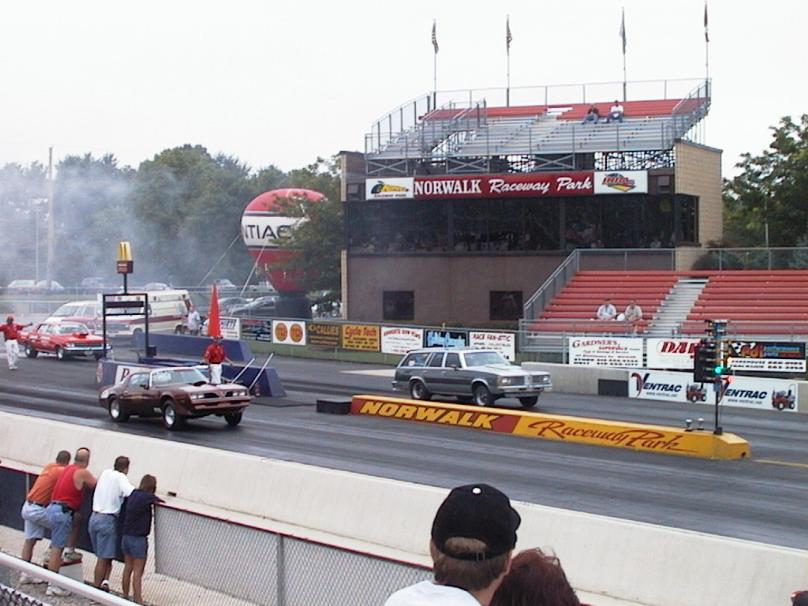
column 606, row 311
column 615, row 112
column 592, row 115
column 633, row 314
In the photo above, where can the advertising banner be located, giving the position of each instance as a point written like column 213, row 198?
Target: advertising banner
column 401, row 339
column 671, row 354
column 388, row 188
column 523, row 185
column 621, row 182
column 266, row 231
column 503, row 342
column 360, row 337
column 260, row 330
column 231, row 328
column 288, row 332
column 323, row 335
column 607, row 352
column 765, row 394
column 767, row 356
column 668, row 386
column 445, row 338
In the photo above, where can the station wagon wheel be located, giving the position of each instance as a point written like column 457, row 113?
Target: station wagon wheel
column 116, row 412
column 233, row 418
column 418, row 390
column 171, row 419
column 482, row 395
column 528, row 401
column 30, row 351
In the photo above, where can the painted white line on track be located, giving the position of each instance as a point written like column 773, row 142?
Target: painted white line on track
column 372, row 372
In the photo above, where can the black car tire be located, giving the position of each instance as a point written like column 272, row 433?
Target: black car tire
column 418, row 390
column 529, row 401
column 116, row 411
column 31, row 352
column 171, row 418
column 233, row 418
column 482, row 395
column 60, row 354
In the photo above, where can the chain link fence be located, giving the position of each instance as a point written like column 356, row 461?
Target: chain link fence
column 251, row 565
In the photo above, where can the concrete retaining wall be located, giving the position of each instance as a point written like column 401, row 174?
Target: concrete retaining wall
column 639, row 562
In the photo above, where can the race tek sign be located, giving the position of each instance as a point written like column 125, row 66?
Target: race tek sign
column 528, row 185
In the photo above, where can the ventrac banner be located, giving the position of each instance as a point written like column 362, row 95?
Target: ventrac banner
column 672, row 354
column 742, row 392
column 767, row 356
column 527, row 185
column 610, row 352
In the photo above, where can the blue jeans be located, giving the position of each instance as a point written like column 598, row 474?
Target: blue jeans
column 61, row 522
column 103, row 529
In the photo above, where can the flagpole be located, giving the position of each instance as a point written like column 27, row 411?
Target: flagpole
column 508, row 53
column 706, row 54
column 623, row 31
column 434, row 64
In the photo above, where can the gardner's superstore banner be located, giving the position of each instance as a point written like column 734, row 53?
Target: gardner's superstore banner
column 671, row 354
column 741, row 392
column 607, row 352
column 527, row 185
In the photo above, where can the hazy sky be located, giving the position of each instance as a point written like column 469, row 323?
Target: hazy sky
column 283, row 82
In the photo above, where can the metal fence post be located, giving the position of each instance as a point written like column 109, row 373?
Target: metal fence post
column 280, row 568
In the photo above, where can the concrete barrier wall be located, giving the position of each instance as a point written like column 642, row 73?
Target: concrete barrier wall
column 639, row 562
column 577, row 379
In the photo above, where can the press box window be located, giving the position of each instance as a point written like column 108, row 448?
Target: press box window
column 505, row 305
column 398, row 305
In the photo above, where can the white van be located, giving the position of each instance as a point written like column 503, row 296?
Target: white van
column 167, row 311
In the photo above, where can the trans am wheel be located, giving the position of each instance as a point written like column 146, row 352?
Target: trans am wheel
column 233, row 418
column 482, row 395
column 418, row 390
column 171, row 419
column 116, row 412
column 30, row 351
column 60, row 353
column 529, row 401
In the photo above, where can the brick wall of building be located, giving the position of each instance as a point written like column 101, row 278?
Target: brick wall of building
column 698, row 172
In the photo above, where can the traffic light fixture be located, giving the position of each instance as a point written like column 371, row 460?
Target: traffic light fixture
column 704, row 362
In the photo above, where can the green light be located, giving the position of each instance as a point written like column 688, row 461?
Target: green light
column 719, row 370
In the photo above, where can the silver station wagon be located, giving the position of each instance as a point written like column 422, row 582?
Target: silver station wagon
column 481, row 376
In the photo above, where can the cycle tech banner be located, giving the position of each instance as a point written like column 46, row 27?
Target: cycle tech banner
column 767, row 356
column 605, row 352
column 670, row 354
column 288, row 332
column 360, row 337
column 503, row 342
column 401, row 339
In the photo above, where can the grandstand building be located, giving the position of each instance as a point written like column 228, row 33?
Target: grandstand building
column 461, row 207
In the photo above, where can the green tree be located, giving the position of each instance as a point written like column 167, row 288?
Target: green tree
column 319, row 238
column 773, row 188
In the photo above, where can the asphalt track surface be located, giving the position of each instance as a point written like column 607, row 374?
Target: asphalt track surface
column 762, row 499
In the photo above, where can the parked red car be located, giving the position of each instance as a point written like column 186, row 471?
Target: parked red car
column 64, row 339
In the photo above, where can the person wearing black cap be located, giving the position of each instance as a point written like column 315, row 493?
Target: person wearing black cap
column 473, row 536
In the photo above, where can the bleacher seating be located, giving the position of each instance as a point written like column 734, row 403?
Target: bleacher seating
column 756, row 302
column 575, row 307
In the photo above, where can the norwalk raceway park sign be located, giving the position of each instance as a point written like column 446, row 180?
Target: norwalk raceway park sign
column 632, row 436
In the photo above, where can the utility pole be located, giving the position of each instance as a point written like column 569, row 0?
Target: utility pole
column 51, row 224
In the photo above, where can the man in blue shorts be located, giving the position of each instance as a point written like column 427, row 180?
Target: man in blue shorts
column 110, row 491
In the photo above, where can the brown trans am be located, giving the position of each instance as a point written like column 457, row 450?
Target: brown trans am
column 175, row 394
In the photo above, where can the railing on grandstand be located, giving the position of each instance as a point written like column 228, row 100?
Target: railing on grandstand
column 795, row 257
column 394, row 125
column 691, row 109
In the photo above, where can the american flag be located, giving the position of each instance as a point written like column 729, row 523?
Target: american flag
column 623, row 31
column 706, row 34
column 435, row 36
column 508, row 37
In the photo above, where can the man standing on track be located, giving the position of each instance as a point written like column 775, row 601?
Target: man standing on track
column 34, row 508
column 214, row 356
column 66, row 500
column 11, row 332
column 110, row 491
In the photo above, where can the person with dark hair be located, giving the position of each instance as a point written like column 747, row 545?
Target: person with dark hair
column 535, row 579
column 11, row 333
column 34, row 509
column 473, row 536
column 214, row 356
column 66, row 500
column 112, row 488
column 137, row 521
column 592, row 115
column 616, row 112
column 799, row 598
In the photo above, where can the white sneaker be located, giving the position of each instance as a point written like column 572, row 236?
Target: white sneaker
column 104, row 586
column 71, row 556
column 57, row 591
column 26, row 579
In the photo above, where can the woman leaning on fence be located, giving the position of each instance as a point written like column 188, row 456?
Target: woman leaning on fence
column 137, row 521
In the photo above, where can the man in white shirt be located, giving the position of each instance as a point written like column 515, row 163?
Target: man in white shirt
column 473, row 536
column 615, row 112
column 606, row 311
column 193, row 322
column 110, row 491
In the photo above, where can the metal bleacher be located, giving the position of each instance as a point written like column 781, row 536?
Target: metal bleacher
column 460, row 130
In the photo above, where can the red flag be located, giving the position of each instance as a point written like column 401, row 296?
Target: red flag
column 214, row 324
